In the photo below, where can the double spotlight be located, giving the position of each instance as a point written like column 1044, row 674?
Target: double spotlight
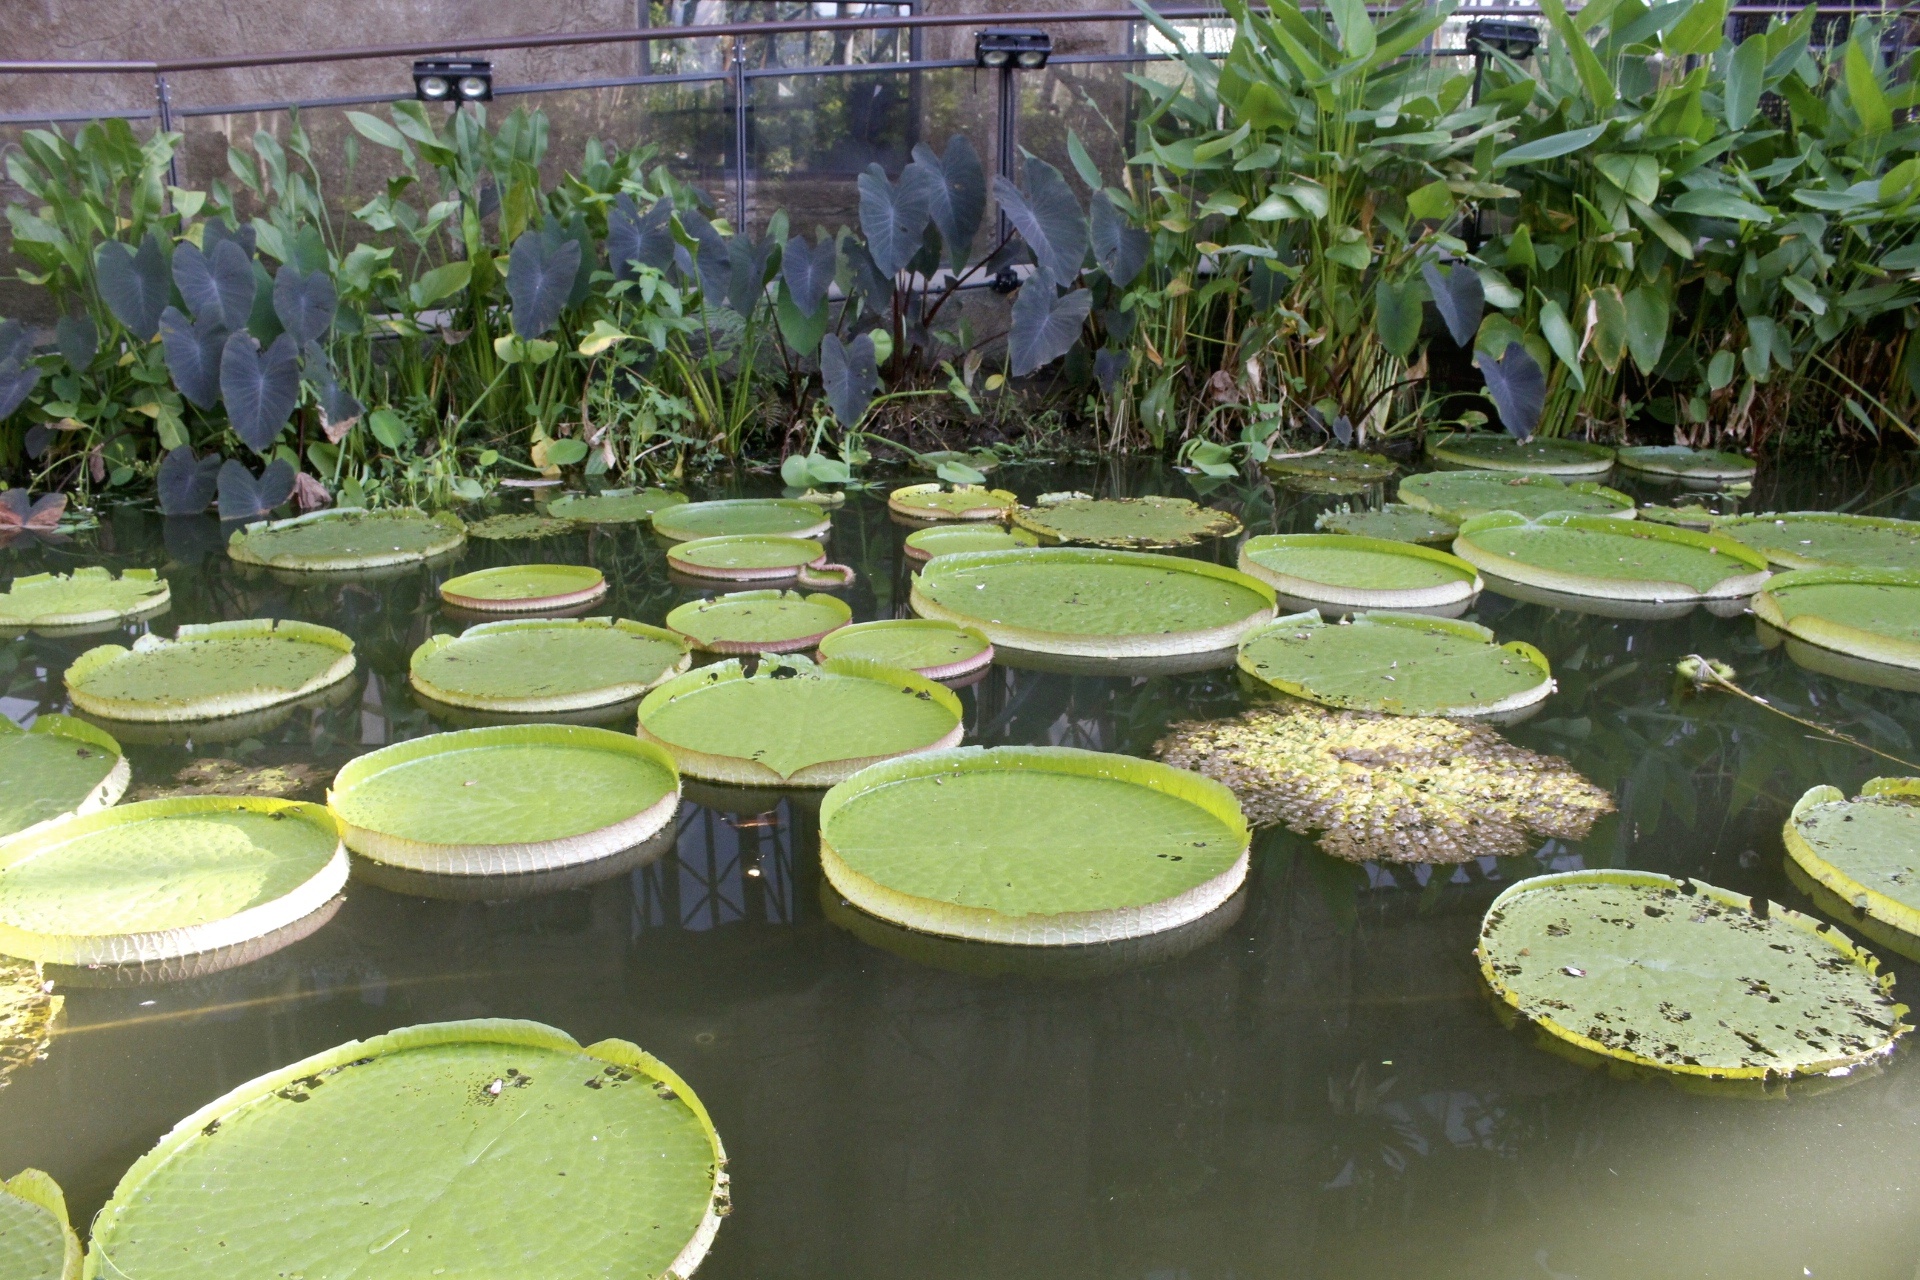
column 443, row 80
column 1005, row 47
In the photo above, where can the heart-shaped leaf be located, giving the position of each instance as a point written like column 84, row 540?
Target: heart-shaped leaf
column 1048, row 219
column 188, row 484
column 1459, row 297
column 1518, row 388
column 540, row 274
column 214, row 231
column 77, row 340
column 575, row 229
column 339, row 410
column 135, row 286
column 712, row 260
column 893, row 215
column 305, row 303
column 1045, row 325
column 809, row 271
column 193, row 350
column 747, row 273
column 15, row 343
column 645, row 238
column 218, row 285
column 1120, row 249
column 17, row 511
column 17, row 382
column 245, row 497
column 850, row 375
column 876, row 290
column 260, row 390
column 1109, row 366
column 959, row 192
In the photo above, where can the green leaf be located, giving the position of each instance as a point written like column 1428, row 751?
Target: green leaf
column 1648, row 314
column 1863, row 89
column 1711, row 203
column 602, row 336
column 1808, row 296
column 1700, row 31
column 1437, row 666
column 389, row 429
column 1560, row 336
column 1720, row 370
column 1662, row 228
column 1593, row 76
column 1637, row 175
column 1357, row 35
column 1396, row 315
column 1746, row 77
column 373, row 129
column 1550, row 147
column 567, row 452
column 439, row 283
column 1434, row 200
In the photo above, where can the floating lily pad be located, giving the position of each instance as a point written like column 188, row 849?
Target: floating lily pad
column 1540, row 456
column 524, row 588
column 1401, row 664
column 614, row 506
column 792, row 723
column 1359, row 573
column 1680, row 976
column 1038, row 846
column 1395, row 522
column 36, row 1242
column 85, row 600
column 431, row 1150
column 937, row 650
column 1828, row 540
column 981, row 461
column 28, row 1008
column 1687, row 464
column 951, row 539
column 1335, row 471
column 1610, row 559
column 517, row 526
column 546, row 665
column 1691, row 516
column 1460, row 495
column 59, row 768
column 937, row 501
column 1873, row 614
column 1865, row 850
column 507, row 799
column 201, row 964
column 758, row 558
column 1389, row 788
column 166, row 878
column 782, row 517
column 217, row 669
column 1140, row 524
column 348, row 538
column 1093, row 603
column 760, row 621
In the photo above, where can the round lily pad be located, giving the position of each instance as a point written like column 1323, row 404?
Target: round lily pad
column 1093, row 603
column 1540, row 456
column 1395, row 522
column 1359, row 573
column 1691, row 516
column 57, row 769
column 1828, row 540
column 84, row 600
column 546, row 665
column 506, row 799
column 518, row 526
column 760, row 621
column 784, row 517
column 36, row 1242
column 1345, row 465
column 1865, row 850
column 1687, row 464
column 614, row 506
column 166, row 878
column 216, row 669
column 982, row 461
column 1872, row 614
column 937, row 650
column 1460, row 495
column 1402, row 664
column 1611, row 559
column 485, row 1148
column 525, row 588
column 1039, row 846
column 744, row 557
column 347, row 538
column 937, row 501
column 793, row 723
column 1683, row 977
column 950, row 539
column 1141, row 524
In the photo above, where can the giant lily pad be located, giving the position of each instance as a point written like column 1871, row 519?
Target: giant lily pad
column 1682, row 977
column 59, row 768
column 783, row 517
column 760, row 621
column 1540, row 456
column 1401, row 664
column 28, row 1007
column 1088, row 603
column 1395, row 522
column 36, row 1242
column 1865, row 850
column 950, row 539
column 1140, row 524
column 1335, row 471
column 85, row 600
column 1460, row 495
column 614, row 506
column 1872, row 614
column 484, row 1148
column 1040, row 846
column 937, row 501
column 1610, row 559
column 520, row 526
column 1344, row 572
column 1389, row 788
column 166, row 878
column 525, row 588
column 1706, row 465
column 216, row 669
column 511, row 798
column 788, row 722
column 1828, row 540
column 937, row 650
column 980, row 461
column 347, row 538
column 546, row 665
column 758, row 558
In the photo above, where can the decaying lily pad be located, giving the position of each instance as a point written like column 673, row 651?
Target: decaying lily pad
column 1871, row 614
column 84, row 600
column 516, row 526
column 1382, row 788
column 760, row 621
column 36, row 1241
column 299, row 1172
column 28, row 1008
column 1459, row 495
column 980, row 461
column 1686, row 463
column 937, row 501
column 758, row 558
column 1540, row 456
column 218, row 776
column 546, row 665
column 1828, row 540
column 1394, row 522
column 951, row 539
column 1865, row 850
column 525, row 588
column 1343, row 572
column 1401, row 664
column 59, row 768
column 1334, row 471
column 936, row 650
column 614, row 506
column 781, row 517
column 1610, row 559
column 1140, row 524
column 340, row 539
column 216, row 669
column 1680, row 976
column 1037, row 846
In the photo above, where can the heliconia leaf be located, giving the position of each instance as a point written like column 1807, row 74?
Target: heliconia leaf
column 1120, row 249
column 17, row 382
column 808, row 271
column 260, row 388
column 1518, row 388
column 245, row 497
column 645, row 238
column 187, row 484
column 134, row 285
column 305, row 303
column 78, row 341
column 1746, row 75
column 1048, row 219
column 1396, row 315
column 1648, row 314
column 218, row 284
column 1558, row 331
column 193, row 350
column 850, row 376
column 1045, row 325
column 959, row 190
column 1460, row 298
column 894, row 215
column 540, row 273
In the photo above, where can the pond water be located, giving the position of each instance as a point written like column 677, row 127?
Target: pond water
column 1316, row 1087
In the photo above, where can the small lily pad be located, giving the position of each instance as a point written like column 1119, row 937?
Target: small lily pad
column 1873, row 614
column 1345, row 572
column 760, row 621
column 937, row 501
column 1401, row 664
column 59, row 768
column 784, row 517
column 28, row 1008
column 951, row 539
column 936, row 650
column 1351, row 469
column 36, row 1241
column 1682, row 977
column 517, row 526
column 1865, row 850
column 1140, row 524
column 346, row 538
column 1395, row 522
column 1687, row 464
column 758, row 558
column 1461, row 495
column 1540, row 456
column 525, row 588
column 217, row 669
column 84, row 600
column 1690, row 516
column 546, row 665
column 614, row 506
column 1828, row 540
column 981, row 461
column 1610, row 559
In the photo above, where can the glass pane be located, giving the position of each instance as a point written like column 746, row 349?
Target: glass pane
column 795, row 49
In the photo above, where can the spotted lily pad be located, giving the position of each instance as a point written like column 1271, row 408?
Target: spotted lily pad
column 937, row 650
column 1865, row 850
column 1340, row 571
column 760, row 621
column 524, row 1154
column 950, row 539
column 614, row 506
column 546, row 665
column 1610, row 559
column 1682, row 977
column 525, row 588
column 1040, row 846
column 1828, row 540
column 1460, row 495
column 28, row 1007
column 1401, row 664
column 59, row 768
column 1540, row 456
column 1351, row 469
column 980, row 461
column 1141, row 524
column 348, row 538
column 1873, row 614
column 518, row 526
column 84, row 600
column 1395, row 522
column 36, row 1242
column 216, row 669
column 784, row 517
column 937, row 501
column 758, row 558
column 1687, row 464
column 789, row 722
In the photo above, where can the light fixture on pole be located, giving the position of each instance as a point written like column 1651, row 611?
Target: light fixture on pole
column 1006, row 50
column 453, row 80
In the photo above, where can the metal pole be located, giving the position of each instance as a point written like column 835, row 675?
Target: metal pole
column 163, row 98
column 739, row 137
column 1009, row 111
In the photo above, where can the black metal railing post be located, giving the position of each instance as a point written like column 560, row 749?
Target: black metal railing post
column 1005, row 144
column 163, row 101
column 739, row 136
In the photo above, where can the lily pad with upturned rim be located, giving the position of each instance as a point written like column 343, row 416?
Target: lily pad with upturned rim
column 1872, row 614
column 1865, row 850
column 1037, row 846
column 86, row 599
column 1610, row 559
column 1461, row 495
column 1683, row 977
column 743, row 557
column 211, row 670
column 546, row 665
column 510, row 798
column 1359, row 573
column 520, row 526
column 952, row 539
column 614, row 506
column 1396, row 522
column 1827, row 540
column 1344, row 465
column 1540, row 456
column 342, row 539
column 1686, row 463
column 300, row 1171
column 936, row 650
column 937, row 501
column 781, row 517
column 1401, row 664
column 525, row 588
column 36, row 1241
column 60, row 768
column 1139, row 524
column 760, row 621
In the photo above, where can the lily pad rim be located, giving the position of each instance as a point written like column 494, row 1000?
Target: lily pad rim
column 454, row 529
column 159, row 598
column 1600, row 457
column 1902, row 916
column 1250, row 548
column 680, row 510
column 38, row 1188
column 1650, row 530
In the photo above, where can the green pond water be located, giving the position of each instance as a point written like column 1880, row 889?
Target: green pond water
column 1310, row 1084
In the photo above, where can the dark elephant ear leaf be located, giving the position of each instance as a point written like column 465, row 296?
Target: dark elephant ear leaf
column 260, row 388
column 893, row 215
column 188, row 484
column 193, row 351
column 134, row 284
column 1518, row 387
column 214, row 232
column 15, row 506
column 305, row 303
column 17, row 382
column 959, row 191
column 540, row 273
column 809, row 271
column 850, row 375
column 243, row 497
column 1048, row 219
column 1109, row 365
column 16, row 344
column 713, row 260
column 1459, row 297
column 747, row 265
column 1120, row 249
column 1045, row 325
column 218, row 285
column 645, row 238
column 339, row 409
column 76, row 338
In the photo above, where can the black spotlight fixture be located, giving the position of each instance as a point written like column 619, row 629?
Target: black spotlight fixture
column 1009, row 47
column 452, row 80
column 1516, row 40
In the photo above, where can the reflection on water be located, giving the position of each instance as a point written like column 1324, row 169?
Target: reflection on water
column 1310, row 1085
